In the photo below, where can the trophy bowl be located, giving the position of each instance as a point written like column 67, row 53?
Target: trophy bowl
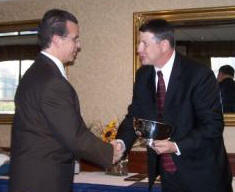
column 151, row 130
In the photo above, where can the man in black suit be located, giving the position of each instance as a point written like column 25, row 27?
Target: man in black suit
column 227, row 88
column 48, row 131
column 175, row 90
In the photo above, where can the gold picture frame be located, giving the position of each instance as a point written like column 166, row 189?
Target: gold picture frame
column 184, row 17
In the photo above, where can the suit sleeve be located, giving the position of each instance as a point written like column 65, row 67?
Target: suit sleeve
column 207, row 123
column 126, row 131
column 59, row 105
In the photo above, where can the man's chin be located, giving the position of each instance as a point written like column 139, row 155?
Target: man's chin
column 71, row 61
column 142, row 62
column 74, row 58
column 145, row 64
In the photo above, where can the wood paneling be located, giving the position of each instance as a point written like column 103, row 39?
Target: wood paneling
column 137, row 163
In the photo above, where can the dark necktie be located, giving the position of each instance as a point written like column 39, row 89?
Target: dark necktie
column 166, row 159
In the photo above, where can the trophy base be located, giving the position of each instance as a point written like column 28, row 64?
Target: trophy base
column 119, row 169
column 149, row 142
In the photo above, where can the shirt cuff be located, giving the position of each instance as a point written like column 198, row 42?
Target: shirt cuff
column 122, row 143
column 178, row 153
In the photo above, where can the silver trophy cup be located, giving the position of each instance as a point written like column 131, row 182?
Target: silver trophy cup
column 151, row 130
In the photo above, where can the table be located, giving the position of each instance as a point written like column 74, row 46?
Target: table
column 97, row 182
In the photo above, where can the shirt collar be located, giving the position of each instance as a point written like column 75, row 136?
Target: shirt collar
column 58, row 63
column 166, row 69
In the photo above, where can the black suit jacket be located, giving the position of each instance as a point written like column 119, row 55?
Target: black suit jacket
column 192, row 107
column 227, row 88
column 49, row 133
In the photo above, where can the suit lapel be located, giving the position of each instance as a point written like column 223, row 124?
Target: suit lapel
column 151, row 91
column 173, row 86
column 44, row 60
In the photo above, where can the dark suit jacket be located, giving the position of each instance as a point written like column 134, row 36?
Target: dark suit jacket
column 192, row 107
column 227, row 88
column 49, row 133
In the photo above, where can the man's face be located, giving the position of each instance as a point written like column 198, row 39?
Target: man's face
column 71, row 44
column 149, row 49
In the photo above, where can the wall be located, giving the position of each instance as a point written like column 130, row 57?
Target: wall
column 102, row 75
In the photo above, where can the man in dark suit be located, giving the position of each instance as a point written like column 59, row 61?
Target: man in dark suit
column 175, row 90
column 227, row 88
column 48, row 131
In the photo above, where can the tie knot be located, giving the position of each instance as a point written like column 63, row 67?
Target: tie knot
column 159, row 74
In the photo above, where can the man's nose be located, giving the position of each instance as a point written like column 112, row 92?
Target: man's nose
column 139, row 50
column 78, row 46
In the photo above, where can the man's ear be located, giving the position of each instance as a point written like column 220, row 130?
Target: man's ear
column 56, row 40
column 165, row 44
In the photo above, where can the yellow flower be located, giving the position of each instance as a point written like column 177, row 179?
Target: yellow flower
column 109, row 132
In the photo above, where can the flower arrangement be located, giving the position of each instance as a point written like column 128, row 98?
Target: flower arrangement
column 109, row 132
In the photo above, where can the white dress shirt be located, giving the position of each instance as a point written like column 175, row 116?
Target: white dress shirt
column 166, row 71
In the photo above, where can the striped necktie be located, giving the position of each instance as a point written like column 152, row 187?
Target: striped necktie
column 166, row 160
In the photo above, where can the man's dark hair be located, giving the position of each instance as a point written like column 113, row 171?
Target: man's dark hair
column 53, row 23
column 227, row 69
column 161, row 29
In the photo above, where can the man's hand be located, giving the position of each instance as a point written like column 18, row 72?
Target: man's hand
column 118, row 150
column 164, row 146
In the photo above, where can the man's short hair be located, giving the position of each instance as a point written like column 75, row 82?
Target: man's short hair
column 227, row 69
column 161, row 29
column 53, row 23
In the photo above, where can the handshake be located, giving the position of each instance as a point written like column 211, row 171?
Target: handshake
column 118, row 150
